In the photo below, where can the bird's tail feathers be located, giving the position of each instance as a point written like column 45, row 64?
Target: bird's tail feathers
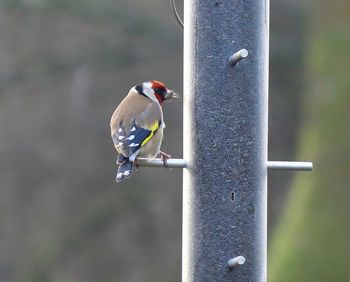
column 125, row 170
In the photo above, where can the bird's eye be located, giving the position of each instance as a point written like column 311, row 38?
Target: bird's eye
column 158, row 90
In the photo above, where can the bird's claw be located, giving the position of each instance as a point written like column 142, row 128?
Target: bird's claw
column 165, row 157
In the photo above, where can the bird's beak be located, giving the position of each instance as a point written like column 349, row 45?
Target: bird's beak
column 171, row 95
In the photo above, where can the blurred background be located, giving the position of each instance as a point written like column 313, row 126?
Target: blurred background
column 66, row 64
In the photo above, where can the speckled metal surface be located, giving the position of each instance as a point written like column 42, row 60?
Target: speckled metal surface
column 225, row 140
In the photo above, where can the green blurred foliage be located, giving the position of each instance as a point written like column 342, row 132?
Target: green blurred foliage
column 311, row 242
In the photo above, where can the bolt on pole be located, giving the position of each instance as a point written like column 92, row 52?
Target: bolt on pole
column 225, row 140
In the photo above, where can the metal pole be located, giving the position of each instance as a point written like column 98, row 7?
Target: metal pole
column 298, row 166
column 171, row 163
column 225, row 140
column 271, row 165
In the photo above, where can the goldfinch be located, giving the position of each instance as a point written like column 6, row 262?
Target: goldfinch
column 137, row 125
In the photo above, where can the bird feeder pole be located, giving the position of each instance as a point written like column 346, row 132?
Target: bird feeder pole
column 225, row 140
column 226, row 53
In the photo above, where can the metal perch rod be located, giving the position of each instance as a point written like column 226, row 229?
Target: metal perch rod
column 271, row 165
column 175, row 163
column 280, row 165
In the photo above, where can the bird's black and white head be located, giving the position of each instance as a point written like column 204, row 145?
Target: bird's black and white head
column 156, row 91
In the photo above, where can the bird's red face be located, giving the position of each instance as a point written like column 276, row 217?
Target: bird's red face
column 161, row 92
column 156, row 90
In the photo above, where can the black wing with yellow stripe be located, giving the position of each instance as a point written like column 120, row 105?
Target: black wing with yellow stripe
column 137, row 137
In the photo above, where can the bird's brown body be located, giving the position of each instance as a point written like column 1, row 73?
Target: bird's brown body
column 137, row 125
column 148, row 111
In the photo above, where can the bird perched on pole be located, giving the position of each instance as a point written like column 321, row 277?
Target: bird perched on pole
column 137, row 125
